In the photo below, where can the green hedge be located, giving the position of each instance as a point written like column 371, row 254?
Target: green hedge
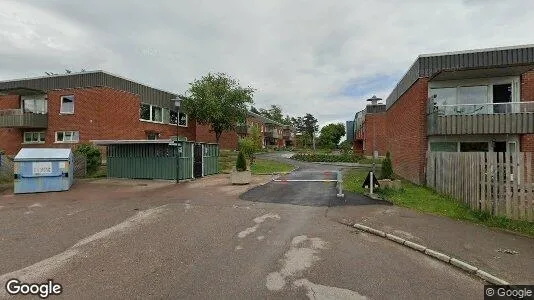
column 328, row 158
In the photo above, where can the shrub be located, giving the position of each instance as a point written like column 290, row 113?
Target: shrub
column 248, row 147
column 241, row 163
column 92, row 154
column 387, row 168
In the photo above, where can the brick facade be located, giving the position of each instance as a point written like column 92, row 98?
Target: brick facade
column 526, row 141
column 375, row 129
column 99, row 114
column 228, row 140
column 406, row 132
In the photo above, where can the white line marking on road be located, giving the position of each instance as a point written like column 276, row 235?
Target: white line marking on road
column 35, row 205
column 42, row 270
column 238, row 247
column 260, row 238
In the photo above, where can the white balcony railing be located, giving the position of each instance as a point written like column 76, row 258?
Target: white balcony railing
column 482, row 108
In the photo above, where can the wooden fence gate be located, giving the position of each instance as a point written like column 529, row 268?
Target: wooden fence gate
column 499, row 183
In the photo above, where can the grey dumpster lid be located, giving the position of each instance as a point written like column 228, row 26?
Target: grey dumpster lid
column 26, row 154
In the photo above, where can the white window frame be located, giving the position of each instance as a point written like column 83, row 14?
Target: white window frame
column 186, row 119
column 150, row 110
column 72, row 134
column 61, row 110
column 40, row 133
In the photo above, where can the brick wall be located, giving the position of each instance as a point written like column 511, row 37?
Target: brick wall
column 10, row 138
column 228, row 139
column 406, row 132
column 375, row 128
column 357, row 147
column 526, row 141
column 99, row 114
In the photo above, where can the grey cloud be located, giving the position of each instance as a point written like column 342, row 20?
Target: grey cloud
column 299, row 54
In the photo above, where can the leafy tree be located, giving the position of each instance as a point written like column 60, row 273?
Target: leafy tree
column 345, row 146
column 273, row 113
column 241, row 162
column 92, row 155
column 287, row 120
column 387, row 167
column 254, row 110
column 310, row 125
column 251, row 144
column 217, row 100
column 331, row 134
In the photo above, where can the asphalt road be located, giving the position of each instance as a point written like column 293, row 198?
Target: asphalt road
column 199, row 241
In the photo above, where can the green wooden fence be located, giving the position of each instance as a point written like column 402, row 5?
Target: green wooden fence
column 211, row 159
column 157, row 160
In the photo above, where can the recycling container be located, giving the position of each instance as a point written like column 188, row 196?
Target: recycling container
column 39, row 170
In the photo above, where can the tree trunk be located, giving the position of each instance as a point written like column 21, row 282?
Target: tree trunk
column 217, row 136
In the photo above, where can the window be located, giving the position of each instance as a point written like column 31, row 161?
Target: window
column 67, row 104
column 34, row 137
column 474, row 147
column 473, row 95
column 34, row 105
column 157, row 114
column 151, row 113
column 67, row 136
column 144, row 112
column 152, row 135
column 444, row 96
column 174, row 117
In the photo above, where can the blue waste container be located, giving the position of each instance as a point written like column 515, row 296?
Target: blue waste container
column 43, row 170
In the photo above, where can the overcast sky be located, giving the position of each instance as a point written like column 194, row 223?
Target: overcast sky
column 316, row 56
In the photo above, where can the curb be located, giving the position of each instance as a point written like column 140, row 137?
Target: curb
column 434, row 254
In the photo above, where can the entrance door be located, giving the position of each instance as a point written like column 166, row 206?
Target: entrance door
column 502, row 93
column 197, row 172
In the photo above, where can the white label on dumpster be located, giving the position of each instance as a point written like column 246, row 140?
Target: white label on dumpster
column 42, row 168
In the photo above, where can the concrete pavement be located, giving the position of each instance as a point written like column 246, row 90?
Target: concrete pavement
column 198, row 240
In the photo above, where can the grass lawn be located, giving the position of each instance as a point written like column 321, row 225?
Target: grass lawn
column 262, row 166
column 426, row 200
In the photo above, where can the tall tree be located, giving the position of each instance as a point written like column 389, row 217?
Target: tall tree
column 217, row 100
column 331, row 134
column 254, row 110
column 273, row 113
column 310, row 124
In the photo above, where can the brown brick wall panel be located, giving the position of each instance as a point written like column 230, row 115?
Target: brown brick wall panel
column 406, row 132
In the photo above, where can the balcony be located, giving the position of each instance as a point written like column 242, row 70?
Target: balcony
column 481, row 118
column 289, row 136
column 19, row 118
column 273, row 134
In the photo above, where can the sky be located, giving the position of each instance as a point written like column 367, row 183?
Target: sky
column 320, row 57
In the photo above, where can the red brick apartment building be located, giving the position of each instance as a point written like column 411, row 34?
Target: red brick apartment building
column 65, row 110
column 476, row 100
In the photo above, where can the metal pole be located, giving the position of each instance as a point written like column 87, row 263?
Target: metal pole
column 177, row 148
column 374, row 144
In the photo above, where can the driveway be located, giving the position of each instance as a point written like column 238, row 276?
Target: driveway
column 141, row 239
column 311, row 185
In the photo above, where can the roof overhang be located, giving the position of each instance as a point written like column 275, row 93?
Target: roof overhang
column 481, row 73
column 21, row 91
